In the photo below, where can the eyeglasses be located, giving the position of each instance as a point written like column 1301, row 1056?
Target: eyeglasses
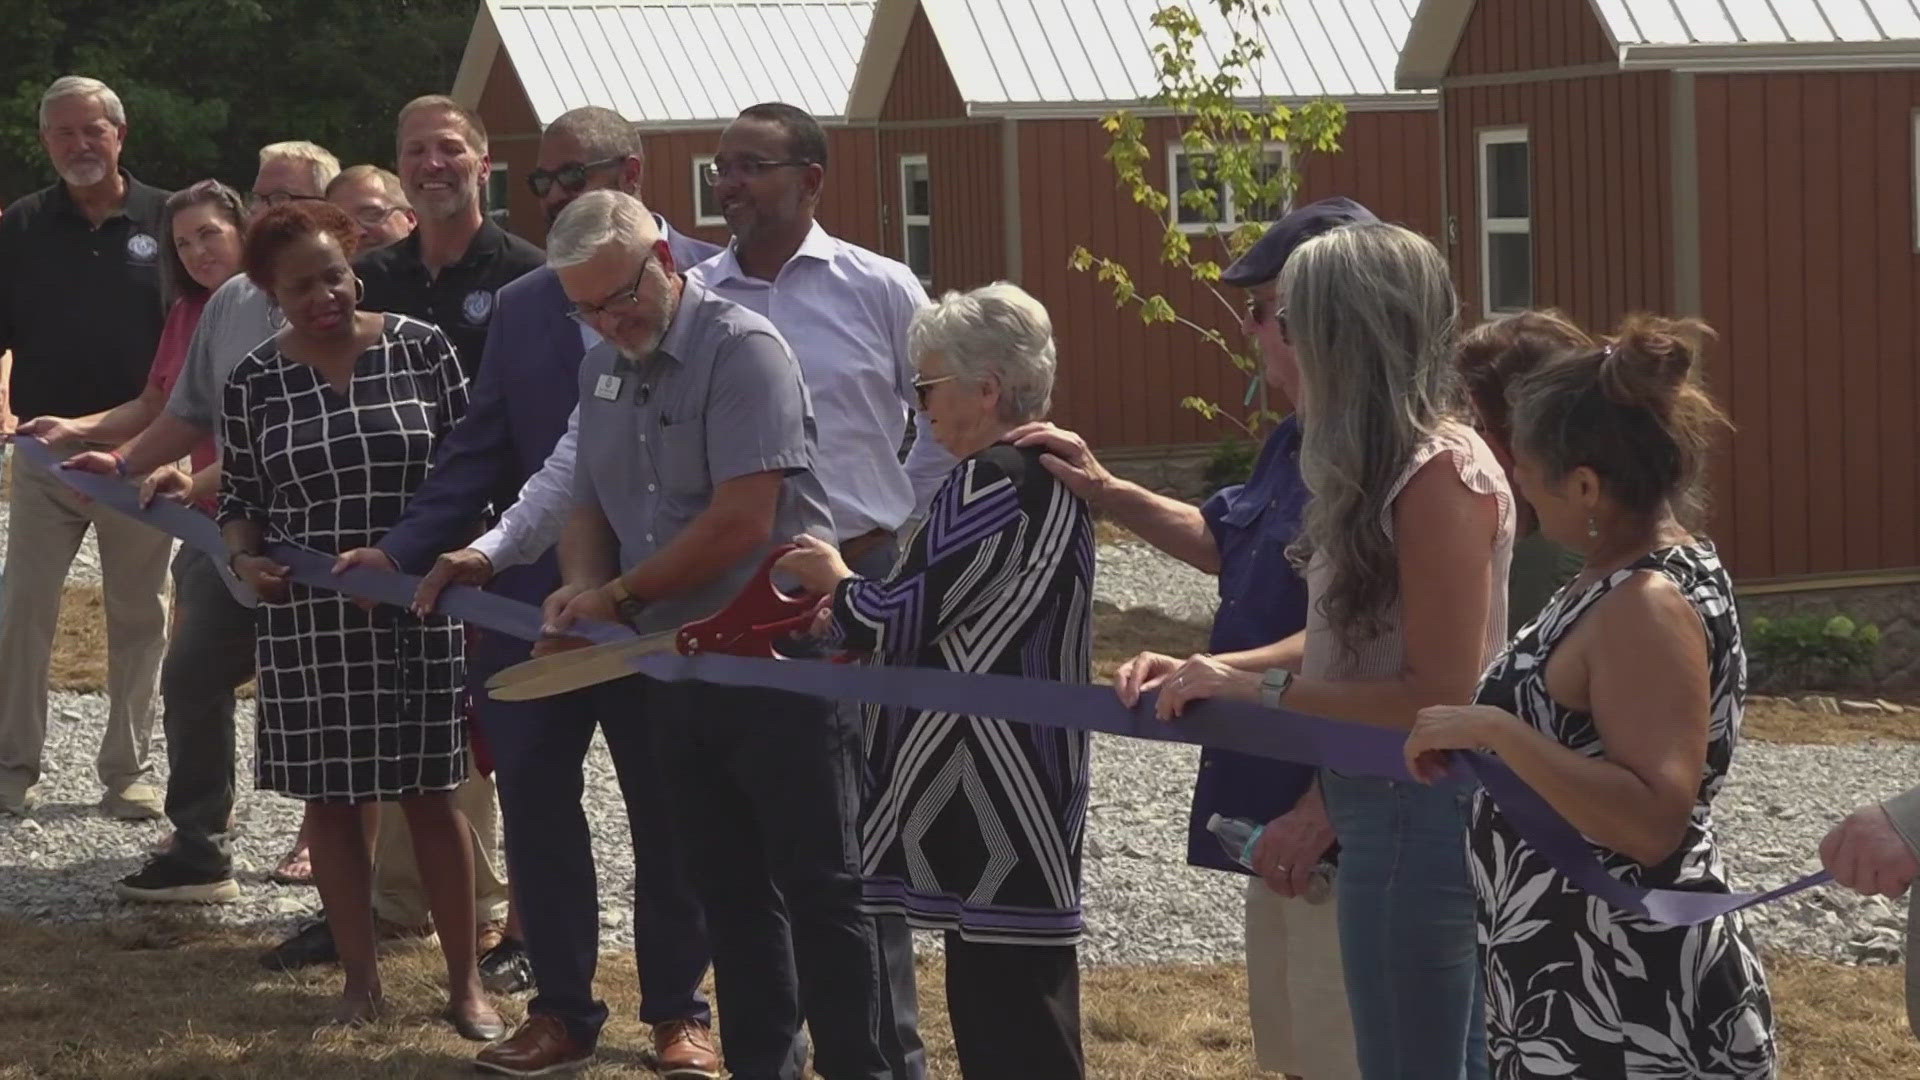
column 279, row 198
column 921, row 386
column 374, row 216
column 571, row 177
column 746, row 168
column 620, row 303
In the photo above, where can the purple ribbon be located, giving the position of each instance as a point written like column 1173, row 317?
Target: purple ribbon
column 1360, row 749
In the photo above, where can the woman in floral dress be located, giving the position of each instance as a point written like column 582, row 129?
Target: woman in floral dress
column 1620, row 704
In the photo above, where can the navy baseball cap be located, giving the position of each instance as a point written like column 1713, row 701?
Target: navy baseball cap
column 1263, row 261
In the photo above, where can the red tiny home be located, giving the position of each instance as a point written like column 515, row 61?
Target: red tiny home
column 1752, row 164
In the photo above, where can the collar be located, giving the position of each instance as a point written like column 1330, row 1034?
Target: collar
column 485, row 244
column 673, row 343
column 60, row 199
column 819, row 245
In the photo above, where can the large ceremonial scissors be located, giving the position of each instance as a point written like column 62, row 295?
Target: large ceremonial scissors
column 751, row 624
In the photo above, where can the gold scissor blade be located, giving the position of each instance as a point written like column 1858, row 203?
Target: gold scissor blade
column 574, row 669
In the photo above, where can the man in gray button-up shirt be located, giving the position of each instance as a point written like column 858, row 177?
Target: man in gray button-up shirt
column 696, row 451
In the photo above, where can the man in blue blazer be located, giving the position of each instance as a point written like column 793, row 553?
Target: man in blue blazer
column 523, row 397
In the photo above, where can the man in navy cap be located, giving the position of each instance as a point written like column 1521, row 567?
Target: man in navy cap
column 1300, row 1021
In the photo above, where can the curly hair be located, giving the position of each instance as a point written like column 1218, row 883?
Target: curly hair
column 283, row 225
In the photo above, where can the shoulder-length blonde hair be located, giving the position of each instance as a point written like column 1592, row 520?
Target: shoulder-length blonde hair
column 1371, row 313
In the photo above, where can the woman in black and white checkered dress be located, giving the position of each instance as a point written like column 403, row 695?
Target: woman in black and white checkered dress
column 329, row 427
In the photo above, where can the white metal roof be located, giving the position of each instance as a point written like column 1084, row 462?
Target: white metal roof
column 1036, row 56
column 1705, row 35
column 1727, row 22
column 671, row 62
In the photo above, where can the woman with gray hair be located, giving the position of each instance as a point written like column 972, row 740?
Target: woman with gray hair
column 972, row 825
column 1392, row 628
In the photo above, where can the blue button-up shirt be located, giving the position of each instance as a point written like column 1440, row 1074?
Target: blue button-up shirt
column 1262, row 600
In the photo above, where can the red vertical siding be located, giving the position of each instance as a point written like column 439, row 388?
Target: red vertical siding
column 1600, row 190
column 1809, row 273
column 1121, row 382
column 964, row 164
column 1528, row 35
column 512, row 133
column 923, row 86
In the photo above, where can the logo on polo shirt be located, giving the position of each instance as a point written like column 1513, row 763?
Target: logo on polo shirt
column 477, row 306
column 142, row 248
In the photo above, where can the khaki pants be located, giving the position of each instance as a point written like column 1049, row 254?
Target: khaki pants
column 398, row 894
column 45, row 525
column 1296, row 991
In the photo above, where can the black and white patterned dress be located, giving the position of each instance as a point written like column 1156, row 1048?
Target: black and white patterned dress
column 1576, row 987
column 973, row 824
column 353, row 705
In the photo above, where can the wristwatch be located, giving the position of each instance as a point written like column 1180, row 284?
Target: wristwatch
column 1274, row 685
column 626, row 606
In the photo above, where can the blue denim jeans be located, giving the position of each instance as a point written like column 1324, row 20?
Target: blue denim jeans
column 1406, row 909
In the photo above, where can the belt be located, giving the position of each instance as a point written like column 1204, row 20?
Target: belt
column 855, row 546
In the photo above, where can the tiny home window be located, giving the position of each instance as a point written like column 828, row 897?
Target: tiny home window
column 497, row 208
column 1916, row 179
column 706, row 207
column 1506, row 221
column 1187, row 172
column 916, row 216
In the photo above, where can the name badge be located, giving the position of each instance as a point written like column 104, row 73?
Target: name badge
column 607, row 388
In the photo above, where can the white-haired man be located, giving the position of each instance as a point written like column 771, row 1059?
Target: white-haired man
column 81, row 310
column 212, row 652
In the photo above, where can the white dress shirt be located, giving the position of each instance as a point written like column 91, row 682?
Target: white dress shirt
column 844, row 311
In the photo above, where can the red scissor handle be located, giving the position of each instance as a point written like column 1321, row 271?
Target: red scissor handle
column 755, row 619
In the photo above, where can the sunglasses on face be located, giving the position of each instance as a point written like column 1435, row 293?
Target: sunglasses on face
column 571, row 177
column 1259, row 312
column 922, row 386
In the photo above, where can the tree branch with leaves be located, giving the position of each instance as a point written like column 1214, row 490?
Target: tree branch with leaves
column 1238, row 184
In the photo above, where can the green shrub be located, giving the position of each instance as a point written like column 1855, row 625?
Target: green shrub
column 1807, row 652
column 1231, row 463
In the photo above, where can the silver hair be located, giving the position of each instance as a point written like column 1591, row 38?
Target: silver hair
column 324, row 165
column 600, row 131
column 595, row 220
column 997, row 331
column 67, row 86
column 1372, row 314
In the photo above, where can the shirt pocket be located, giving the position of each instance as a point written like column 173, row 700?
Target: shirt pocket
column 680, row 466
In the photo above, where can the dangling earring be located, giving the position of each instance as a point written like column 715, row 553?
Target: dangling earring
column 1593, row 531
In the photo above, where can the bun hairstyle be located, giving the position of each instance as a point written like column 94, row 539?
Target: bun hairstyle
column 1635, row 411
column 1491, row 357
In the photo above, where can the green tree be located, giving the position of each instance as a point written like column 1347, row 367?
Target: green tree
column 206, row 83
column 1226, row 128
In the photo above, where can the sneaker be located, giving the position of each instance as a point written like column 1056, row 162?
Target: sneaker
column 311, row 944
column 683, row 1050
column 166, row 881
column 505, row 968
column 539, row 1047
column 138, row 801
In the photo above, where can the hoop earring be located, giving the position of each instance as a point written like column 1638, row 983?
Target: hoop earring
column 359, row 290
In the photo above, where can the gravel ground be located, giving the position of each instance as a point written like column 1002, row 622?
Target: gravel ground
column 1144, row 904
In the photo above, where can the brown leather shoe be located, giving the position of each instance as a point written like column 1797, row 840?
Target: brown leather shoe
column 683, row 1050
column 539, row 1047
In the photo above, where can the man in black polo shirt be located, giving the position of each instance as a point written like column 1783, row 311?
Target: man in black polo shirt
column 80, row 307
column 449, row 269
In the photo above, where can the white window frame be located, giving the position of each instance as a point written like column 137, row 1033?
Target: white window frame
column 909, row 221
column 1916, row 180
column 1177, row 150
column 700, row 190
column 502, row 213
column 1492, row 226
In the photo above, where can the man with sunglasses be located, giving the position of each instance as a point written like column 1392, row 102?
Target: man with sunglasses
column 515, row 449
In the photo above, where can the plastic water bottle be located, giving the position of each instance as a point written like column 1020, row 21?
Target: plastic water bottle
column 1238, row 836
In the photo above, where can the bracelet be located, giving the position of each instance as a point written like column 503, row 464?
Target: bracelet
column 119, row 463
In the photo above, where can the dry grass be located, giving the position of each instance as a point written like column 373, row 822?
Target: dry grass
column 80, row 642
column 1119, row 635
column 1782, row 721
column 161, row 996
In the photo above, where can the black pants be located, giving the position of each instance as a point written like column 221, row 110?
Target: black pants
column 209, row 655
column 539, row 750
column 763, row 788
column 1015, row 1010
